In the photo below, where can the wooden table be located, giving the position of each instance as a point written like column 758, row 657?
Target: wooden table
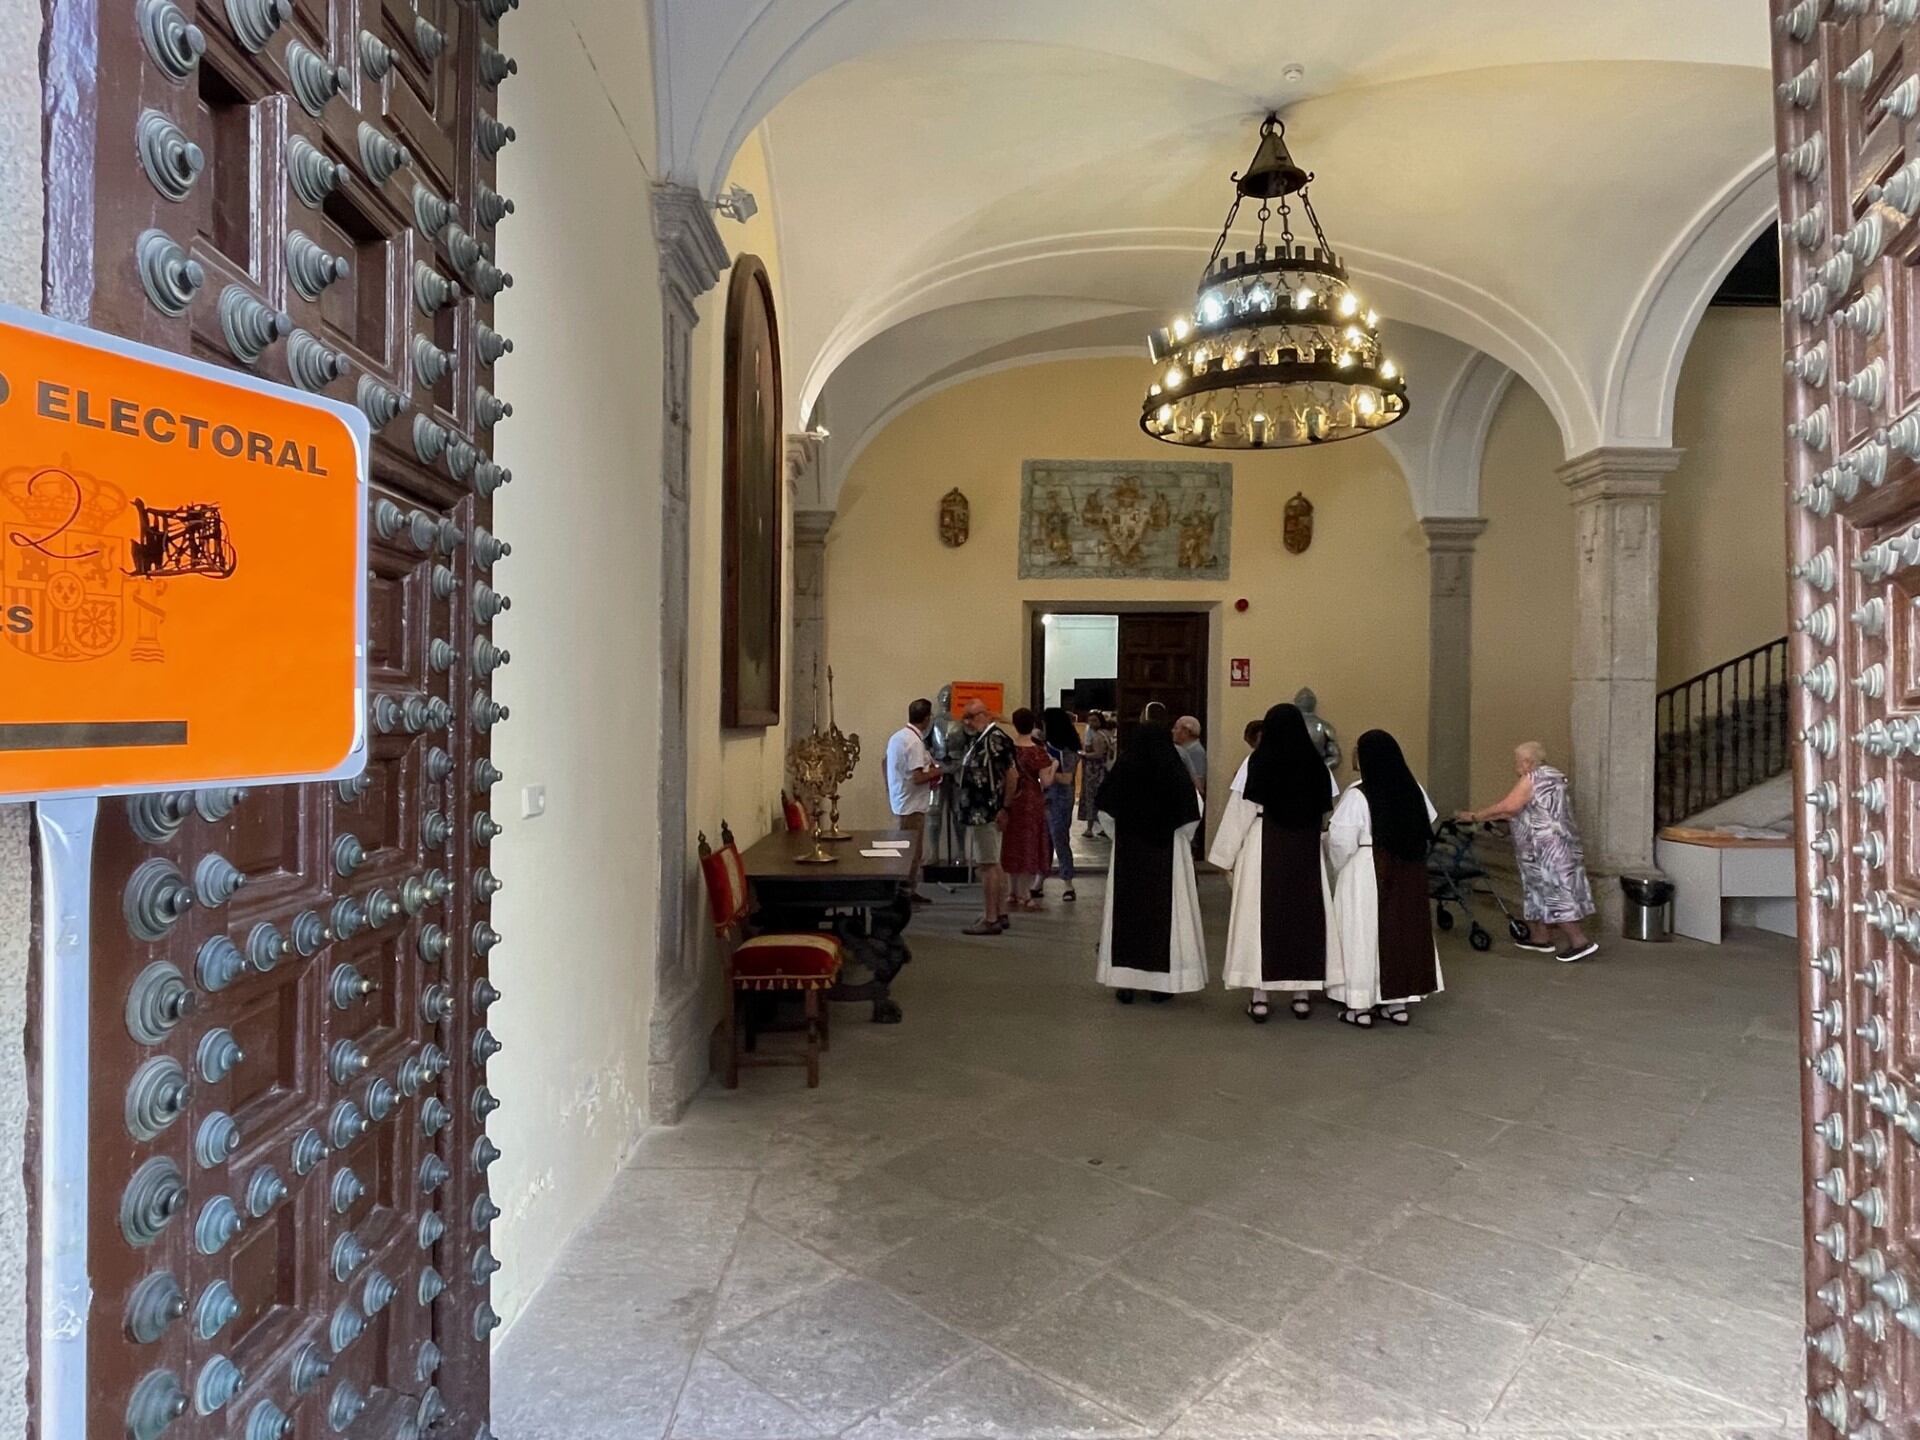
column 865, row 883
column 779, row 878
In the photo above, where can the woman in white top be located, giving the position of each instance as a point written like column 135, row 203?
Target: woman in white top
column 1279, row 936
column 1377, row 843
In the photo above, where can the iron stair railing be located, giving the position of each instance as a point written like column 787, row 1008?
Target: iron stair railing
column 1721, row 732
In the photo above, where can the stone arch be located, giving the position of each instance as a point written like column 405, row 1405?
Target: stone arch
column 1637, row 402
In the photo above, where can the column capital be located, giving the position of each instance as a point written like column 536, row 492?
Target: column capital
column 806, row 474
column 1452, row 533
column 1619, row 472
column 810, row 526
column 693, row 257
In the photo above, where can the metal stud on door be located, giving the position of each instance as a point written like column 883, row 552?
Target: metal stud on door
column 289, row 1222
column 1848, row 198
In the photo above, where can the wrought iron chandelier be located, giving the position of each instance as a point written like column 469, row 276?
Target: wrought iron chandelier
column 1278, row 350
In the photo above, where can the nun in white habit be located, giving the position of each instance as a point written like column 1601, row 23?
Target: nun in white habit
column 1280, row 936
column 1150, row 935
column 1377, row 843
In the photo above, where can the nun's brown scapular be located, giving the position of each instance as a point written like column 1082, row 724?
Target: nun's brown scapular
column 1279, row 936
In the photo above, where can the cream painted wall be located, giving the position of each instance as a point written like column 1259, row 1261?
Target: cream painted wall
column 1523, row 601
column 905, row 614
column 577, row 961
column 1723, row 578
column 1722, row 546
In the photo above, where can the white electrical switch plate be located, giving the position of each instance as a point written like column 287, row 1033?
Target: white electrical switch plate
column 533, row 801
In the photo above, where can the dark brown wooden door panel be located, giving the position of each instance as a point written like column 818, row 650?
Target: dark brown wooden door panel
column 1163, row 657
column 1845, row 126
column 288, row 1208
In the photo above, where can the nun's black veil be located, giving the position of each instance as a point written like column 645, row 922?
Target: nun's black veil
column 1286, row 776
column 1149, row 791
column 1394, row 798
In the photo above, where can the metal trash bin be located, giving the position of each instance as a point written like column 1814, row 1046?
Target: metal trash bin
column 1649, row 907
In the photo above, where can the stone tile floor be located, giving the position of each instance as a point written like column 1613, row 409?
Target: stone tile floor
column 1565, row 1203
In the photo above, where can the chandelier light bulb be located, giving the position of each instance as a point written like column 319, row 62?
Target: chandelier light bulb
column 1274, row 352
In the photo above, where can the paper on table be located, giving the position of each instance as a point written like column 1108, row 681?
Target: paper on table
column 881, row 854
column 894, row 844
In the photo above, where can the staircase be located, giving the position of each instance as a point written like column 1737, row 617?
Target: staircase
column 1720, row 732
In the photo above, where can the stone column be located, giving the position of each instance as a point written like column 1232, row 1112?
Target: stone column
column 807, row 651
column 810, row 657
column 1450, row 542
column 692, row 259
column 1616, row 500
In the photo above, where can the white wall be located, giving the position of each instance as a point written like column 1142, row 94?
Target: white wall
column 1079, row 647
column 584, row 443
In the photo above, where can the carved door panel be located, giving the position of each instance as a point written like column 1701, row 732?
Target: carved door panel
column 1164, row 658
column 1849, row 94
column 289, row 1218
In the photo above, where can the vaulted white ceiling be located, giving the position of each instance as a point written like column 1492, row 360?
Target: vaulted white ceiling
column 958, row 186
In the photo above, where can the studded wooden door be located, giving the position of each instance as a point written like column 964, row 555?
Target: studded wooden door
column 289, row 1218
column 1849, row 97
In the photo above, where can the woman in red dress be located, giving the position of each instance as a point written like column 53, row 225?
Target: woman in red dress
column 1024, row 849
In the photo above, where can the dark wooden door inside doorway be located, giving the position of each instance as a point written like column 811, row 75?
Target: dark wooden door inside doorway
column 1163, row 657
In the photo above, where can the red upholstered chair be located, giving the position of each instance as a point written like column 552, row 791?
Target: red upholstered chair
column 793, row 812
column 808, row 963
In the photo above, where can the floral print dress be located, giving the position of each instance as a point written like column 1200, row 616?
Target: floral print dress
column 1546, row 842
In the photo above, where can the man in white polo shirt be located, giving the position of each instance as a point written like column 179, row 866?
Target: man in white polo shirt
column 911, row 776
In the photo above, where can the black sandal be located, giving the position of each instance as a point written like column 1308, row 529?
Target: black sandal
column 1257, row 1011
column 1302, row 1007
column 1125, row 997
column 1399, row 1015
column 1359, row 1019
column 1069, row 895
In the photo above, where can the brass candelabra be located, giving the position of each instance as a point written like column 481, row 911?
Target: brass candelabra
column 813, row 761
column 845, row 750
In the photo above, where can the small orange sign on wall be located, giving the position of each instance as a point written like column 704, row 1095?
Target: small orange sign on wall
column 990, row 693
column 182, row 570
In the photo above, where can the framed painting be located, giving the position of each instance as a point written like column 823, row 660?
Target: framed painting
column 754, row 483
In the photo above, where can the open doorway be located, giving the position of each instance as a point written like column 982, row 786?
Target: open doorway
column 1119, row 660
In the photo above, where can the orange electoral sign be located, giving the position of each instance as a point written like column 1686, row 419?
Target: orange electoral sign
column 182, row 573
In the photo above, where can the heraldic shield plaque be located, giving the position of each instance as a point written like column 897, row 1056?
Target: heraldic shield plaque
column 1297, row 529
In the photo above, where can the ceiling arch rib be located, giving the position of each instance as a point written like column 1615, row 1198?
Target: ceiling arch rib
column 1637, row 403
column 1124, row 262
column 1520, row 210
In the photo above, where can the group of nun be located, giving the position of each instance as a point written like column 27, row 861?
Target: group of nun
column 1329, row 889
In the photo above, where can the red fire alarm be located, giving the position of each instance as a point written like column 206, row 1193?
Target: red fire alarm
column 1241, row 605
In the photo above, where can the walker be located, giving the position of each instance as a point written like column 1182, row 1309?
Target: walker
column 1452, row 873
